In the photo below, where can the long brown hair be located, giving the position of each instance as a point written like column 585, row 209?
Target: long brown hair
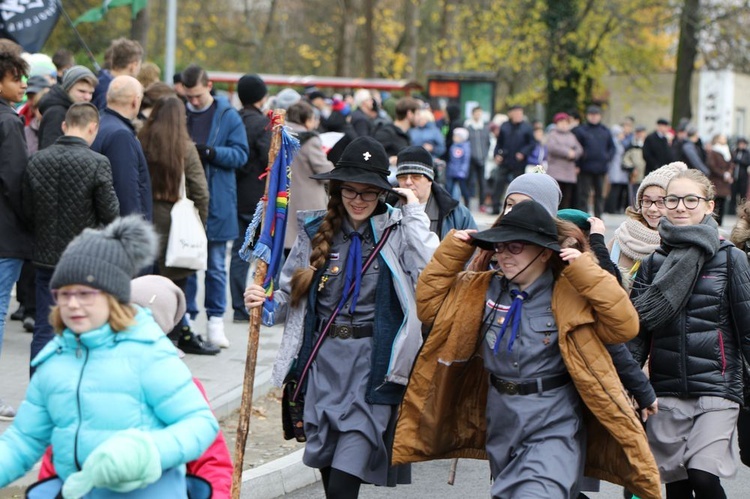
column 321, row 244
column 165, row 139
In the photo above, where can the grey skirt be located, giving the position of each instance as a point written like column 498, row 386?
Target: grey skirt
column 698, row 433
column 343, row 430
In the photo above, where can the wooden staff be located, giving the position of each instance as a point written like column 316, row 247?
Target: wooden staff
column 246, row 405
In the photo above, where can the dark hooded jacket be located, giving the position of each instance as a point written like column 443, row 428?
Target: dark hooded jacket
column 15, row 239
column 53, row 107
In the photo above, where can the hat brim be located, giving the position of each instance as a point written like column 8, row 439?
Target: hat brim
column 358, row 175
column 486, row 239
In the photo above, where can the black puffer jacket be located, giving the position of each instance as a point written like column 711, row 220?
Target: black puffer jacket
column 67, row 188
column 698, row 353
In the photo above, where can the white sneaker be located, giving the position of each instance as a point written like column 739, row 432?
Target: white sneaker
column 7, row 413
column 215, row 332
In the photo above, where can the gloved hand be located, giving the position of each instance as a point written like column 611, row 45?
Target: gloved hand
column 207, row 153
column 127, row 461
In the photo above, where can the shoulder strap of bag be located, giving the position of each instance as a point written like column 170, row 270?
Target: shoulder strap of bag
column 183, row 194
column 335, row 313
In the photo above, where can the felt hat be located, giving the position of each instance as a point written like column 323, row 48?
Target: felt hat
column 76, row 73
column 540, row 187
column 364, row 161
column 251, row 89
column 415, row 159
column 108, row 259
column 528, row 221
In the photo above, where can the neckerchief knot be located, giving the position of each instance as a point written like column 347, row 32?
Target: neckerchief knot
column 353, row 269
column 514, row 318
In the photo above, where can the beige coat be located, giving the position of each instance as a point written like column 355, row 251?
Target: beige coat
column 306, row 193
column 443, row 411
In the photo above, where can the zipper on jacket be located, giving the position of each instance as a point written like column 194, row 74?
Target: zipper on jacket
column 721, row 349
column 78, row 399
column 683, row 354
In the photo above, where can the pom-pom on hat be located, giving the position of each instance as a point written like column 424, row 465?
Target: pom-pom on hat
column 251, row 89
column 660, row 178
column 108, row 259
column 77, row 73
column 364, row 161
column 540, row 187
column 528, row 221
column 415, row 159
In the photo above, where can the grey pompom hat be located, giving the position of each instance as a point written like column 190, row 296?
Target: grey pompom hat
column 108, row 259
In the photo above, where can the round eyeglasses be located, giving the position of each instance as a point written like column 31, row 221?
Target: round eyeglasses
column 691, row 201
column 513, row 247
column 367, row 196
column 82, row 296
column 647, row 203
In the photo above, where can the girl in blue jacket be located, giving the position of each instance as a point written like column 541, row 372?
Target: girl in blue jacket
column 109, row 392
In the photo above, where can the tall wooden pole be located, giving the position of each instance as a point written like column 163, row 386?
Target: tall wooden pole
column 254, row 332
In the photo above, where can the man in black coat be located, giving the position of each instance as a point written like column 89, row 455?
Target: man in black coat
column 252, row 93
column 741, row 158
column 656, row 149
column 395, row 136
column 598, row 150
column 515, row 136
column 67, row 188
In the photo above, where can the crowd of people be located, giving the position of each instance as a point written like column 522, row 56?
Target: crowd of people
column 521, row 342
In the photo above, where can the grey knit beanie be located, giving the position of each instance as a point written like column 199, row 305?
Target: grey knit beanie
column 540, row 187
column 660, row 178
column 286, row 98
column 75, row 74
column 108, row 259
column 415, row 159
column 159, row 294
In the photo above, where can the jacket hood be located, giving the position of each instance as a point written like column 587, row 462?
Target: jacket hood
column 55, row 97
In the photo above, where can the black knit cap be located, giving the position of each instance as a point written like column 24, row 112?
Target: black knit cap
column 364, row 161
column 528, row 221
column 251, row 89
column 415, row 159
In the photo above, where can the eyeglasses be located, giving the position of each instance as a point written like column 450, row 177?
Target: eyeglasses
column 647, row 203
column 367, row 196
column 82, row 296
column 414, row 177
column 514, row 247
column 690, row 201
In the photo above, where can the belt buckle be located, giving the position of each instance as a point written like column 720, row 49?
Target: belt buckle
column 344, row 332
column 509, row 387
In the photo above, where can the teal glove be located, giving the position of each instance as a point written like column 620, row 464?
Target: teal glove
column 127, row 461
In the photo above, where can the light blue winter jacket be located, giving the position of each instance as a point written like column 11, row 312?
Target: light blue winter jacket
column 88, row 387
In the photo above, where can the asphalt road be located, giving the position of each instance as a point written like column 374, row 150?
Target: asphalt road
column 429, row 481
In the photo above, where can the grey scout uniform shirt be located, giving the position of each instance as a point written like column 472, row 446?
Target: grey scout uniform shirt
column 536, row 352
column 335, row 276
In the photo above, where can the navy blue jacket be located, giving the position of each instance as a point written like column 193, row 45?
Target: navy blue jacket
column 598, row 147
column 229, row 139
column 513, row 138
column 117, row 141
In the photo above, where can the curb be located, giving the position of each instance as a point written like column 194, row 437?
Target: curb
column 279, row 477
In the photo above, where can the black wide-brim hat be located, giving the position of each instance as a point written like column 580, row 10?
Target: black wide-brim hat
column 528, row 221
column 363, row 161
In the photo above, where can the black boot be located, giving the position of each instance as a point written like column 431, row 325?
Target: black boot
column 189, row 342
column 19, row 314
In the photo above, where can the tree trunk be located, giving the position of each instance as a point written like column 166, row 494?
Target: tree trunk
column 347, row 34
column 411, row 35
column 368, row 49
column 687, row 51
column 259, row 53
column 139, row 29
column 562, row 95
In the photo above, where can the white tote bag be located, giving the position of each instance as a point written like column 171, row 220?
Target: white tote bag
column 187, row 246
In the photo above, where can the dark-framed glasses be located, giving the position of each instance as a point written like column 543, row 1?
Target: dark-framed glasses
column 367, row 196
column 647, row 203
column 513, row 247
column 82, row 296
column 691, row 201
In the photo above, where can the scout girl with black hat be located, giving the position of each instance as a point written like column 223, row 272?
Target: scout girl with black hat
column 347, row 296
column 528, row 338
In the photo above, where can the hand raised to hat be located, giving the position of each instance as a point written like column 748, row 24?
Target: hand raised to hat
column 464, row 235
column 569, row 255
column 408, row 194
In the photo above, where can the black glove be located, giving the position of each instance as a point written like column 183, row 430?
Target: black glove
column 207, row 153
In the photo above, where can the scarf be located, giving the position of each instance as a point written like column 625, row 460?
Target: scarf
column 723, row 149
column 636, row 240
column 513, row 317
column 673, row 283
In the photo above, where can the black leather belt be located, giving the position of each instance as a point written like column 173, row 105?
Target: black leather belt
column 345, row 331
column 529, row 387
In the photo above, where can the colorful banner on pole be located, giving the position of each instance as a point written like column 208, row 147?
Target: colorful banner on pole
column 28, row 22
column 97, row 14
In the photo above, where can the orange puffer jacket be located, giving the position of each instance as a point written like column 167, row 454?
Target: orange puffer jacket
column 443, row 412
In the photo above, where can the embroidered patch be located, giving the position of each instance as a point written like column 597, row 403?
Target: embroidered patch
column 333, row 256
column 496, row 306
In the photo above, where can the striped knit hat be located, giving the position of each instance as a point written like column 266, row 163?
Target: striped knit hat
column 415, row 159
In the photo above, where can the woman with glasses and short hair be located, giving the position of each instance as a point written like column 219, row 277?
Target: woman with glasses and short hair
column 638, row 236
column 693, row 299
column 516, row 358
column 367, row 314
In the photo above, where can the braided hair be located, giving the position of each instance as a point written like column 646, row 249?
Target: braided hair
column 321, row 244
